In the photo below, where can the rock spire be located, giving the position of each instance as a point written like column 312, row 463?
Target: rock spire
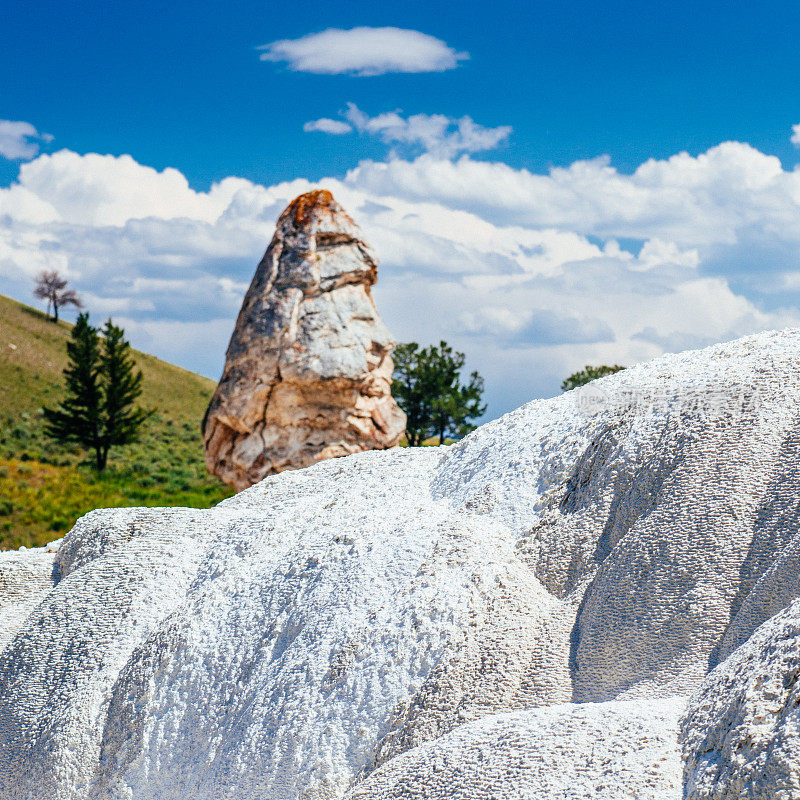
column 308, row 369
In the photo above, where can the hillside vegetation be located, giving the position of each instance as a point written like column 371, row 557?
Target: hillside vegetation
column 45, row 486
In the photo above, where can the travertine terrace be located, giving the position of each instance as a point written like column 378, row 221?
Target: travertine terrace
column 526, row 612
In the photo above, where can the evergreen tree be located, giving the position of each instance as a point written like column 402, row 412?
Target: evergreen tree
column 122, row 386
column 78, row 417
column 427, row 386
column 413, row 390
column 588, row 373
column 101, row 387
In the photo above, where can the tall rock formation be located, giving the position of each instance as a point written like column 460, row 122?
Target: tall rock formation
column 308, row 369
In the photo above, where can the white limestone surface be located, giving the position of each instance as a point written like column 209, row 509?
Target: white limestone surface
column 609, row 544
column 741, row 733
column 258, row 649
column 26, row 575
column 619, row 750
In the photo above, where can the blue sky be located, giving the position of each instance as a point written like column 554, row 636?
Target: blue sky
column 530, row 234
column 180, row 84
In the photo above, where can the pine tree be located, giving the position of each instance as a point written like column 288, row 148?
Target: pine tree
column 412, row 387
column 101, row 388
column 587, row 374
column 78, row 417
column 427, row 386
column 121, row 422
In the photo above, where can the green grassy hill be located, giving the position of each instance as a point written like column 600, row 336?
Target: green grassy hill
column 45, row 486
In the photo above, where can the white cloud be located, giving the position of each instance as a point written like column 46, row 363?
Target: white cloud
column 97, row 189
column 796, row 134
column 689, row 201
column 441, row 136
column 532, row 275
column 363, row 52
column 325, row 125
column 20, row 140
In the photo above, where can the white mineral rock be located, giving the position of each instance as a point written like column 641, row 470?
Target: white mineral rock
column 609, row 544
column 741, row 734
column 614, row 751
column 26, row 575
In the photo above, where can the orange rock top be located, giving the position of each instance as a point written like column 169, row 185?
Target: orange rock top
column 303, row 206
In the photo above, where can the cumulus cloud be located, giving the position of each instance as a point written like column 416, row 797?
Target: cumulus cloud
column 532, row 275
column 97, row 189
column 363, row 52
column 325, row 125
column 686, row 200
column 796, row 134
column 441, row 136
column 20, row 140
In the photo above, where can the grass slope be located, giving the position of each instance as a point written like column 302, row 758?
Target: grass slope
column 45, row 486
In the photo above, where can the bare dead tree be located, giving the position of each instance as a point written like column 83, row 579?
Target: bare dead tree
column 52, row 287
